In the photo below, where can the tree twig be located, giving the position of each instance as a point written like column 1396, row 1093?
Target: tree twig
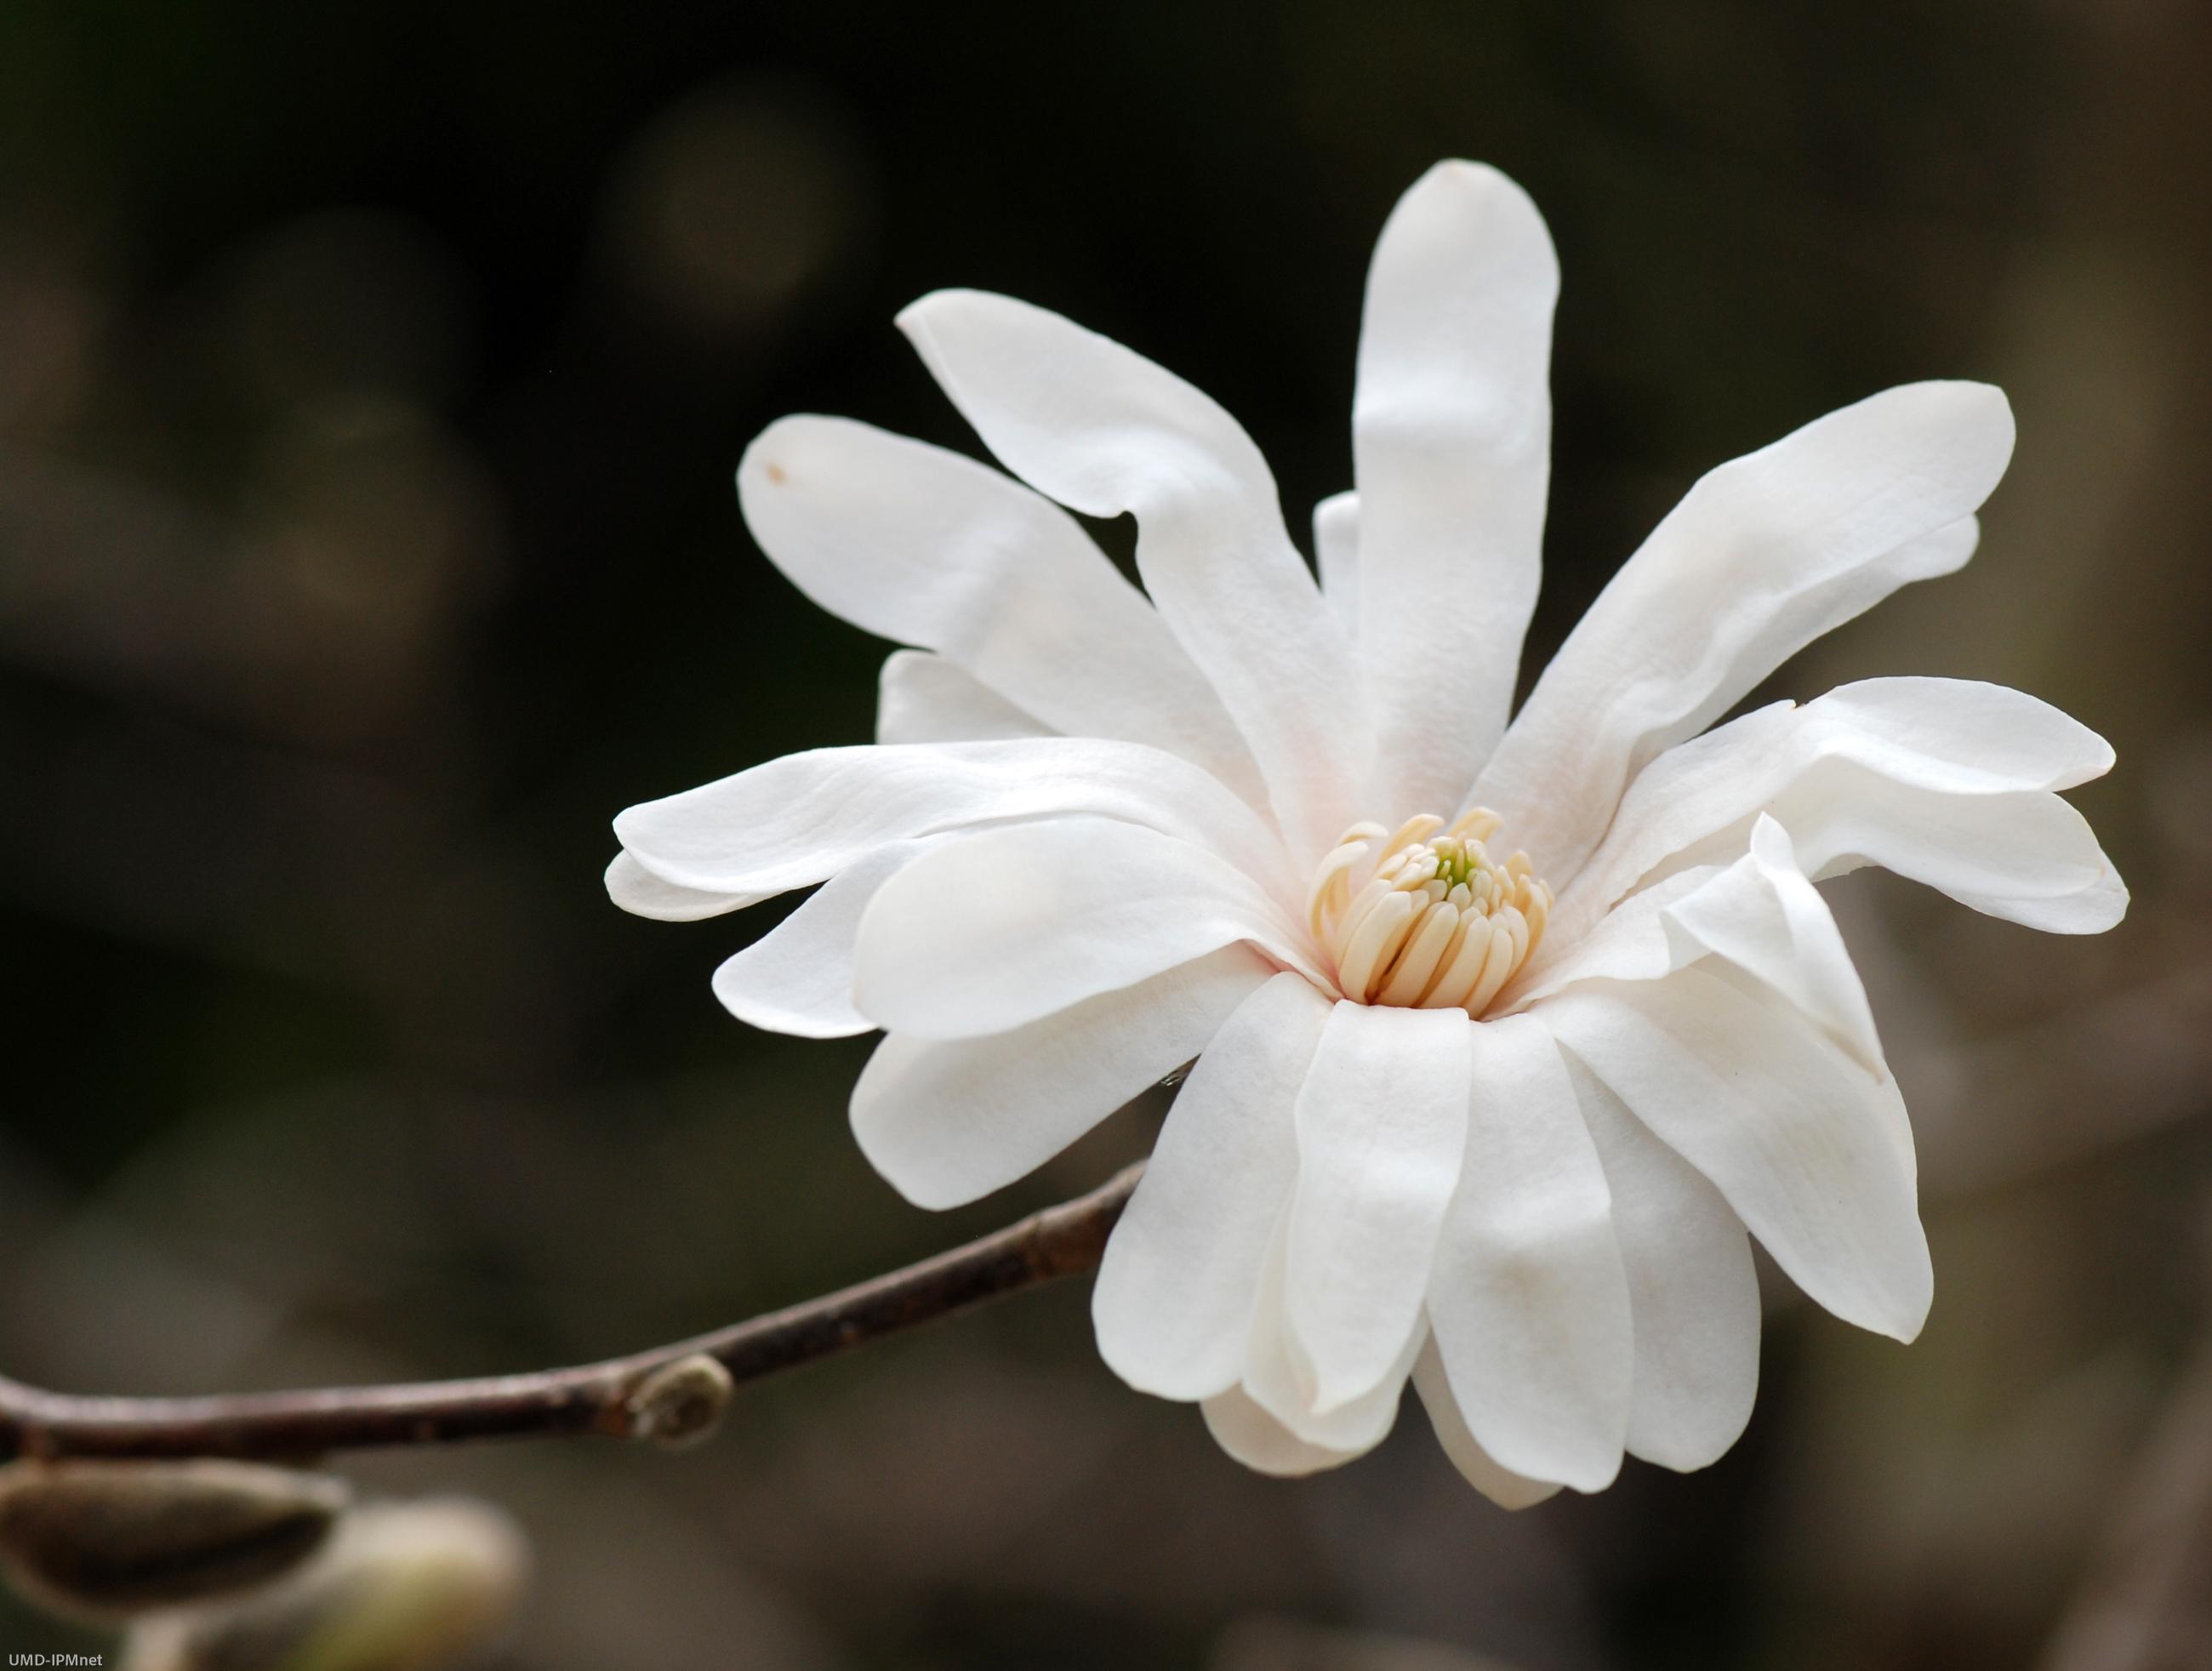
column 1066, row 1240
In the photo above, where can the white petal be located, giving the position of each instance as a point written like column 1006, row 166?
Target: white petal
column 1006, row 925
column 924, row 698
column 1762, row 916
column 1636, row 942
column 1174, row 1300
column 1529, row 1303
column 1900, row 767
column 1336, row 554
column 1105, row 431
column 1763, row 556
column 639, row 891
column 1382, row 1123
column 1968, row 736
column 1629, row 943
column 925, row 547
column 797, row 819
column 1693, row 1291
column 1279, row 1375
column 1263, row 1445
column 798, row 977
column 947, row 1122
column 1789, row 1130
column 1507, row 1489
column 1451, row 437
column 2029, row 859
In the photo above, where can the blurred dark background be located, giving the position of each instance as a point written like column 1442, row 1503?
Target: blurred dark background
column 371, row 379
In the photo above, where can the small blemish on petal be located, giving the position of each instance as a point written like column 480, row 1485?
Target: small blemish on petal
column 775, row 475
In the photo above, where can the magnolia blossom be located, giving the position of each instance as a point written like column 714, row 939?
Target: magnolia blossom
column 1511, row 1031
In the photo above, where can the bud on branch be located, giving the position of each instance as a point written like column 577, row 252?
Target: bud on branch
column 99, row 1540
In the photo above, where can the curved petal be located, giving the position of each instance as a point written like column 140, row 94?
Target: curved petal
column 1764, row 927
column 1529, row 1304
column 2029, row 859
column 1105, row 431
column 1451, row 427
column 1762, row 556
column 1507, row 1489
column 1006, row 925
column 1760, row 913
column 1336, row 555
column 798, row 977
column 924, row 698
column 1898, row 765
column 1263, row 1445
column 1967, row 736
column 797, row 819
column 1629, row 943
column 924, row 547
column 1173, row 1301
column 642, row 893
column 1692, row 1290
column 1794, row 1134
column 1762, row 916
column 1278, row 1377
column 948, row 1122
column 1381, row 1125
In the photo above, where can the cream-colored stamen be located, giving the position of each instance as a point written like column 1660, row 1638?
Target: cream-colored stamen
column 1418, row 919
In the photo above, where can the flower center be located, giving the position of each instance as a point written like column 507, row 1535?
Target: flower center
column 1425, row 920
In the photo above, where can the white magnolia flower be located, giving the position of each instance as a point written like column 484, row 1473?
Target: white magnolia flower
column 1507, row 1033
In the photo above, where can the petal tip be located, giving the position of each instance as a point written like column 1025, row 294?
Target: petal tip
column 763, row 465
column 1910, row 1317
column 1557, row 1467
column 1464, row 172
column 759, row 457
column 1907, row 1329
column 1476, row 181
column 1673, row 1452
column 1965, row 425
column 2116, row 892
column 1139, row 1374
column 1997, row 413
column 922, row 316
column 1985, row 407
column 1478, row 210
column 915, row 1187
column 2098, row 759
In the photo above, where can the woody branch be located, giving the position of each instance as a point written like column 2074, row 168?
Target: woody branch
column 621, row 1397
